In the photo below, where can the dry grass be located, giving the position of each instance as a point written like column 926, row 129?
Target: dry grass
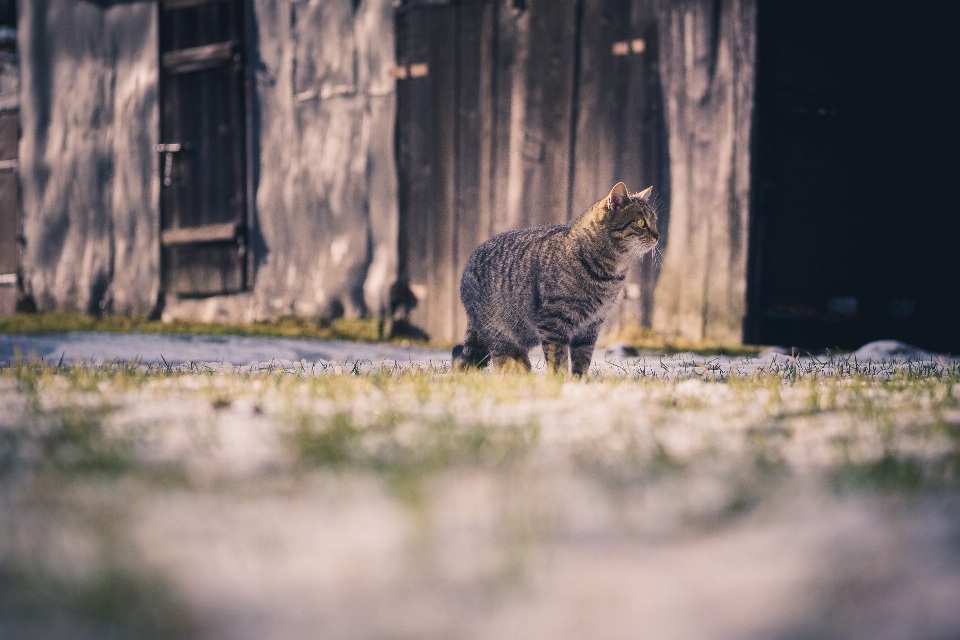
column 143, row 501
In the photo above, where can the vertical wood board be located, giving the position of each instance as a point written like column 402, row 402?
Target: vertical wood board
column 443, row 220
column 707, row 57
column 547, row 126
column 414, row 137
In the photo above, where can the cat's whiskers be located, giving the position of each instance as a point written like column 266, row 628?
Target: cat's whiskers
column 657, row 256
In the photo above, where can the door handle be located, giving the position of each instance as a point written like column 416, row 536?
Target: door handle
column 168, row 150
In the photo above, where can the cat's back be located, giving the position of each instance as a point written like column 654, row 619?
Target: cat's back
column 516, row 247
column 508, row 262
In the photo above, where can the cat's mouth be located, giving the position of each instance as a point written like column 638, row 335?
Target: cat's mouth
column 642, row 246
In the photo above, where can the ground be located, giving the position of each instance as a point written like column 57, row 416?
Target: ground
column 190, row 487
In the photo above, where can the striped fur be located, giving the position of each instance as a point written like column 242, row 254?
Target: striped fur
column 552, row 286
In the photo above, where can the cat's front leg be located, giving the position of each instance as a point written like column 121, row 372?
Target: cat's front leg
column 581, row 349
column 511, row 363
column 510, row 358
column 557, row 355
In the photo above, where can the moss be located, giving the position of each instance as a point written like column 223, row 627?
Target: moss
column 333, row 445
column 74, row 441
column 642, row 340
column 361, row 329
column 896, row 472
column 384, row 447
column 113, row 602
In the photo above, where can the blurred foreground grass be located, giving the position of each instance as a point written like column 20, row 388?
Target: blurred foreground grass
column 140, row 501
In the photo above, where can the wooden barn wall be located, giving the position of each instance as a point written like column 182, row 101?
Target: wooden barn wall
column 324, row 233
column 88, row 171
column 539, row 118
column 707, row 58
column 523, row 119
column 323, row 175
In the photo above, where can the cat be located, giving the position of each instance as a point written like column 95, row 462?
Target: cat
column 552, row 285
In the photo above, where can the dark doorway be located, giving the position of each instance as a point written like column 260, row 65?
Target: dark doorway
column 856, row 222
column 203, row 193
column 447, row 98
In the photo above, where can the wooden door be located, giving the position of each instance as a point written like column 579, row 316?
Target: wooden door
column 203, row 163
column 856, row 219
column 516, row 115
column 9, row 210
column 445, row 148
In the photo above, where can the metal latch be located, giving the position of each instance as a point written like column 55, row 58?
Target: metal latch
column 168, row 150
column 417, row 70
column 626, row 47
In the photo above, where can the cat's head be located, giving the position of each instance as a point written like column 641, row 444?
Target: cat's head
column 630, row 220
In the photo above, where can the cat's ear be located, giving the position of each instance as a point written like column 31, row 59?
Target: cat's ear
column 643, row 195
column 618, row 197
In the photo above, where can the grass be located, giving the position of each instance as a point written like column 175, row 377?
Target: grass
column 687, row 447
column 111, row 602
column 876, row 424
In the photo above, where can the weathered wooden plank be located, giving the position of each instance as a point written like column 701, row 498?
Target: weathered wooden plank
column 707, row 54
column 644, row 147
column 9, row 134
column 472, row 143
column 202, row 270
column 440, row 238
column 9, row 214
column 197, row 58
column 201, row 25
column 488, row 113
column 515, row 51
column 414, row 159
column 225, row 231
column 506, row 59
column 603, row 126
column 171, row 5
column 550, row 81
column 617, row 128
column 320, row 67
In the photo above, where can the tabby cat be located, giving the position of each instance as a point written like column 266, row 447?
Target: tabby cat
column 552, row 285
